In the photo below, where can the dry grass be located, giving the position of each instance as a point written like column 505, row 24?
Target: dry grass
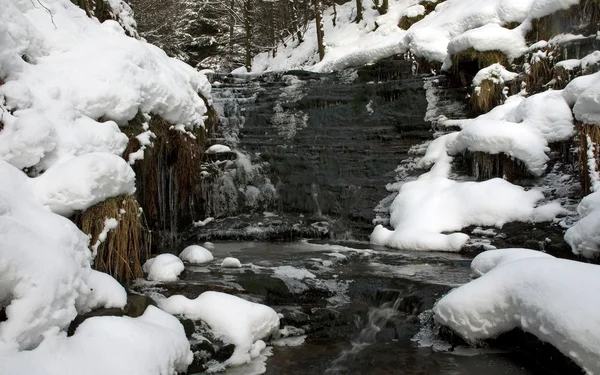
column 485, row 97
column 168, row 178
column 540, row 73
column 593, row 132
column 486, row 166
column 406, row 22
column 561, row 77
column 127, row 246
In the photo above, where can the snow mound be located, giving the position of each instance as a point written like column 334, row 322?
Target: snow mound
column 55, row 105
column 45, row 267
column 494, row 137
column 99, row 176
column 153, row 344
column 491, row 259
column 164, row 267
column 489, row 37
column 584, row 94
column 547, row 297
column 230, row 262
column 196, row 255
column 454, row 26
column 237, row 321
column 584, row 236
column 217, row 149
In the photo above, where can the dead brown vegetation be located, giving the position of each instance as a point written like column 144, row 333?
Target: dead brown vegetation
column 127, row 246
column 587, row 133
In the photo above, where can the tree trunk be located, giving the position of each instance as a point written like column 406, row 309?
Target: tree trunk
column 358, row 11
column 319, row 24
column 247, row 39
column 333, row 20
column 384, row 7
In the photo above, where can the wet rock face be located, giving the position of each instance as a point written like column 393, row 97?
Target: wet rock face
column 328, row 143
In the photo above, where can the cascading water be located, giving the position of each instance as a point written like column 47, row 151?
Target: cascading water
column 376, row 320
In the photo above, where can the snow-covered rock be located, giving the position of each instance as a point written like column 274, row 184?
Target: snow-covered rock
column 217, row 149
column 153, row 344
column 584, row 235
column 231, row 262
column 237, row 321
column 491, row 259
column 196, row 255
column 553, row 299
column 164, row 267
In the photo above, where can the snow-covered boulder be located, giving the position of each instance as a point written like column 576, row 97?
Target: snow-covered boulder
column 196, row 255
column 235, row 320
column 231, row 262
column 164, row 267
column 491, row 259
column 584, row 235
column 553, row 299
column 153, row 344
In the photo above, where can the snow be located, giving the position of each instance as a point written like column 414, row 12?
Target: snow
column 164, row 267
column 109, row 224
column 237, row 321
column 453, row 26
column 217, row 149
column 153, row 344
column 51, row 107
column 230, row 262
column 45, row 266
column 547, row 297
column 196, row 254
column 495, row 73
column 490, row 259
column 99, row 176
column 489, row 37
column 494, row 137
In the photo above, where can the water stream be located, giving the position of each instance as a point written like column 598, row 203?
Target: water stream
column 312, row 157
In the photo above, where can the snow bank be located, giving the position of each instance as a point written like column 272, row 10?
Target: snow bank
column 242, row 323
column 75, row 71
column 512, row 139
column 196, row 255
column 164, row 267
column 550, row 298
column 45, row 267
column 230, row 262
column 153, row 344
column 584, row 94
column 490, row 259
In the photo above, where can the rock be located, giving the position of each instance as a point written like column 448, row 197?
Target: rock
column 137, row 304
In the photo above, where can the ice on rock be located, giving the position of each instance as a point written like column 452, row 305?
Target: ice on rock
column 235, row 320
column 490, row 259
column 230, row 262
column 196, row 255
column 153, row 344
column 547, row 297
column 98, row 176
column 164, row 267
